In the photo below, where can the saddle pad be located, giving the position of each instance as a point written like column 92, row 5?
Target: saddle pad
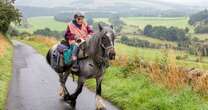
column 68, row 55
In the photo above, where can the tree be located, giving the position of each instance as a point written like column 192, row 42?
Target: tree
column 8, row 14
column 124, row 39
column 148, row 30
column 117, row 23
column 48, row 32
column 164, row 33
column 187, row 30
column 201, row 29
column 12, row 31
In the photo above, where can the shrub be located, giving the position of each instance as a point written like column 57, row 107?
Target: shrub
column 142, row 43
column 48, row 32
column 164, row 33
column 201, row 29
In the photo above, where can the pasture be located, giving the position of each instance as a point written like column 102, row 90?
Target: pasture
column 180, row 22
column 48, row 21
column 44, row 22
column 153, row 55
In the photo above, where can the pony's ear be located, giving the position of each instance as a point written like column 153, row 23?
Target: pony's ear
column 111, row 26
column 100, row 27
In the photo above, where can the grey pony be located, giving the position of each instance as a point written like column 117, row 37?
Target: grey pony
column 100, row 49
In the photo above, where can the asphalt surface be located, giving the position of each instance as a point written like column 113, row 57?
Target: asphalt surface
column 35, row 85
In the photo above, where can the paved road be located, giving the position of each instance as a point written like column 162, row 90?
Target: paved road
column 34, row 85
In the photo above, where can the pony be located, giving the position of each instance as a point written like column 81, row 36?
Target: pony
column 99, row 49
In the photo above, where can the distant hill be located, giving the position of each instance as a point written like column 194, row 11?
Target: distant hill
column 123, row 7
column 120, row 9
column 200, row 21
column 30, row 11
column 199, row 17
column 159, row 4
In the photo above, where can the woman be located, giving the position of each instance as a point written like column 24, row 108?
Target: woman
column 77, row 30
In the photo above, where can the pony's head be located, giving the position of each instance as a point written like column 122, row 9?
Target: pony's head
column 107, row 40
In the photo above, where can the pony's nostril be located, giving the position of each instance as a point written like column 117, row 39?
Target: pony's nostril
column 112, row 55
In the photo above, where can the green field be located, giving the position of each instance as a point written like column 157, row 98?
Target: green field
column 43, row 22
column 180, row 22
column 152, row 55
column 48, row 21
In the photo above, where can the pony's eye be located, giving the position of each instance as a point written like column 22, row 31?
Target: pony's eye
column 104, row 38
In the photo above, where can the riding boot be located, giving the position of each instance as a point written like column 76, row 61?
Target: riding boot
column 75, row 65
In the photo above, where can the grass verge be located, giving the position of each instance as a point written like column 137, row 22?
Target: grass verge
column 6, row 52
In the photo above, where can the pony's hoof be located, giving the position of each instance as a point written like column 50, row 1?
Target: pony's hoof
column 73, row 104
column 61, row 92
column 99, row 103
column 66, row 97
column 102, row 108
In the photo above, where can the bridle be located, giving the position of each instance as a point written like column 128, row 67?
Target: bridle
column 106, row 47
column 103, row 59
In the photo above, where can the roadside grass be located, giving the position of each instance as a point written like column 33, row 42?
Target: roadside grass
column 40, row 43
column 6, row 53
column 138, row 92
column 132, row 89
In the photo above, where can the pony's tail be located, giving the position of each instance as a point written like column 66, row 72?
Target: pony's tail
column 48, row 57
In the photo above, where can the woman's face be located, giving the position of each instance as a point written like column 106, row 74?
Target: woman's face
column 80, row 20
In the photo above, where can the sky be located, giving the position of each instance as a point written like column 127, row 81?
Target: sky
column 54, row 3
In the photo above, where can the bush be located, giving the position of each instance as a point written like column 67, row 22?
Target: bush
column 117, row 23
column 201, row 29
column 95, row 25
column 48, row 32
column 25, row 34
column 142, row 43
column 164, row 33
column 13, row 32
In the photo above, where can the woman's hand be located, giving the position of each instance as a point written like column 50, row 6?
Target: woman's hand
column 72, row 42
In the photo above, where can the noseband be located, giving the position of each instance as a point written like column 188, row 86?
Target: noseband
column 103, row 46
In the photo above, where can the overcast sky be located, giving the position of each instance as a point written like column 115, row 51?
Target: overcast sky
column 53, row 3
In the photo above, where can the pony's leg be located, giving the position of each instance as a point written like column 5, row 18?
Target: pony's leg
column 63, row 78
column 99, row 102
column 74, row 96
